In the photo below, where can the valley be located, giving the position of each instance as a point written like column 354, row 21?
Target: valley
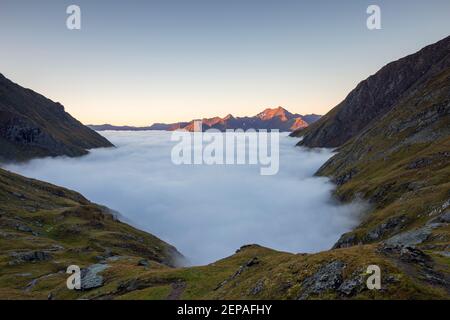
column 200, row 209
column 300, row 235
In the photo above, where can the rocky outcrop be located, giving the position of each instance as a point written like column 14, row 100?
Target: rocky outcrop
column 394, row 224
column 33, row 126
column 91, row 278
column 411, row 238
column 328, row 277
column 424, row 265
column 250, row 263
column 29, row 256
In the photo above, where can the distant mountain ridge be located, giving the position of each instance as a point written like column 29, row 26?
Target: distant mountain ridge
column 271, row 118
column 33, row 126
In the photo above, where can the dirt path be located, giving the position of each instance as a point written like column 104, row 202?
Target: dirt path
column 177, row 290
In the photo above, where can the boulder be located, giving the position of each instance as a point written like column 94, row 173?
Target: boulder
column 328, row 277
column 29, row 256
column 90, row 277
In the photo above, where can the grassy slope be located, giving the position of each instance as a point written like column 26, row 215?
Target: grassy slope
column 36, row 216
column 281, row 275
column 402, row 163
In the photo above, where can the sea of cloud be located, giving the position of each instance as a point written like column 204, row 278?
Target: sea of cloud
column 207, row 212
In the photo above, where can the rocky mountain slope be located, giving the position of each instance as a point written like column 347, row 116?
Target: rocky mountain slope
column 276, row 118
column 376, row 96
column 401, row 164
column 34, row 126
column 399, row 161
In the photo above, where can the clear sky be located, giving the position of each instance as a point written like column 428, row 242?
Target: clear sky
column 139, row 62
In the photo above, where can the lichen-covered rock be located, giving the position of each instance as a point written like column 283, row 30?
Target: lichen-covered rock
column 259, row 286
column 328, row 277
column 29, row 256
column 23, row 228
column 353, row 285
column 391, row 225
column 411, row 238
column 90, row 277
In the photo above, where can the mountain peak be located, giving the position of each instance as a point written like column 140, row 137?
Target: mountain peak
column 212, row 121
column 270, row 113
column 228, row 117
column 299, row 123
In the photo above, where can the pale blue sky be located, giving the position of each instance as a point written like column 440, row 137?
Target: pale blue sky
column 138, row 62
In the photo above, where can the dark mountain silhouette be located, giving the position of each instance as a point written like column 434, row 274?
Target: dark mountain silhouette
column 33, row 126
column 376, row 96
column 155, row 126
column 276, row 118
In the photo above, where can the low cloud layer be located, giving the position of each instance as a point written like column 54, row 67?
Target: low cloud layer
column 207, row 212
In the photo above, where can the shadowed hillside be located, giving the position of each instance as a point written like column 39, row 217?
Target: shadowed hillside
column 376, row 96
column 34, row 126
column 45, row 228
